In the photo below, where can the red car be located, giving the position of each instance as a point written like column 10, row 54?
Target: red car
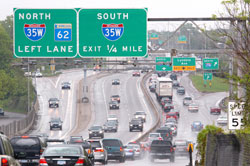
column 136, row 73
column 215, row 110
column 171, row 115
column 176, row 112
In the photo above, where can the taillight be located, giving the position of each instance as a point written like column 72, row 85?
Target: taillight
column 4, row 162
column 99, row 150
column 130, row 150
column 41, row 151
column 167, row 134
column 171, row 133
column 171, row 149
column 121, row 149
column 43, row 162
column 138, row 150
column 79, row 162
column 89, row 151
column 160, row 138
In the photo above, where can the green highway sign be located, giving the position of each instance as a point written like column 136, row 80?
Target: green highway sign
column 207, row 76
column 112, row 32
column 187, row 64
column 154, row 36
column 45, row 33
column 210, row 64
column 182, row 39
column 162, row 64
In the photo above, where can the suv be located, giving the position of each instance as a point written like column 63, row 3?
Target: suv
column 113, row 105
column 1, row 112
column 115, row 98
column 65, row 85
column 100, row 153
column 6, row 151
column 53, row 103
column 135, row 124
column 55, row 123
column 140, row 114
column 181, row 90
column 187, row 100
column 115, row 149
column 116, row 82
column 96, row 131
column 27, row 149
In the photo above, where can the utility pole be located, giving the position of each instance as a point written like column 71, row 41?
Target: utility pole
column 29, row 85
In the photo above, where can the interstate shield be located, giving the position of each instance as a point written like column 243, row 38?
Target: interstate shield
column 34, row 32
column 112, row 32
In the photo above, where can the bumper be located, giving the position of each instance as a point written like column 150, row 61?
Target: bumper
column 99, row 157
column 160, row 155
column 135, row 128
column 96, row 135
column 113, row 107
column 53, row 105
column 28, row 161
column 110, row 130
column 112, row 156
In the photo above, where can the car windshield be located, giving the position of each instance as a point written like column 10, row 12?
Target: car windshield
column 110, row 123
column 115, row 96
column 136, row 121
column 62, row 150
column 111, row 143
column 113, row 102
column 96, row 128
column 140, row 113
column 112, row 116
column 187, row 98
column 154, row 135
column 55, row 120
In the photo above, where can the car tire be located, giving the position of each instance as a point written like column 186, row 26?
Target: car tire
column 60, row 128
column 130, row 130
column 102, row 136
column 104, row 162
column 122, row 160
column 172, row 159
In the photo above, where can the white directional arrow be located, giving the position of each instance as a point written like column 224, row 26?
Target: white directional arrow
column 215, row 63
column 164, row 68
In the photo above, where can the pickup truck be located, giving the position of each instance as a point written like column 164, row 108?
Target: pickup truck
column 161, row 149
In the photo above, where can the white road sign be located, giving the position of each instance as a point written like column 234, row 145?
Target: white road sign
column 235, row 115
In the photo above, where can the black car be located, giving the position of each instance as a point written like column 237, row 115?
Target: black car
column 166, row 133
column 65, row 85
column 173, row 76
column 167, row 107
column 53, row 103
column 152, row 87
column 66, row 155
column 96, row 131
column 165, row 100
column 116, row 82
column 55, row 123
column 115, row 149
column 110, row 126
column 181, row 90
column 136, row 124
column 113, row 105
column 176, row 84
column 115, row 98
column 1, row 112
column 27, row 149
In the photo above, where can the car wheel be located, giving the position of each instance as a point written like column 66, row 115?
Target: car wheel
column 102, row 136
column 172, row 159
column 50, row 128
column 104, row 162
column 130, row 130
column 90, row 137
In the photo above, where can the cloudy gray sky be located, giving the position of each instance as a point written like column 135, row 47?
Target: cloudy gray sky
column 156, row 8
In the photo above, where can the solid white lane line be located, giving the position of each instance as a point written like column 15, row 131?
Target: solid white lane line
column 104, row 97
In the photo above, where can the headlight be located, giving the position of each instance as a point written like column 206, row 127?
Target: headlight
column 139, row 124
column 90, row 132
column 100, row 131
column 130, row 125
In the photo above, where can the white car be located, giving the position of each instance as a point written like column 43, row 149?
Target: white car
column 222, row 120
column 38, row 74
column 154, row 136
column 193, row 107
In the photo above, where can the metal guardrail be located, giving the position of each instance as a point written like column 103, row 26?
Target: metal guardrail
column 152, row 104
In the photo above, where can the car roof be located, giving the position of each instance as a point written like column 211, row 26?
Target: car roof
column 115, row 96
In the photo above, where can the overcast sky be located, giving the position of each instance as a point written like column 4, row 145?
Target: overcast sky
column 156, row 8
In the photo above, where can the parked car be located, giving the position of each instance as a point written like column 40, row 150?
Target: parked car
column 196, row 126
column 116, row 82
column 136, row 74
column 114, row 105
column 1, row 112
column 140, row 114
column 115, row 98
column 187, row 100
column 96, row 131
column 55, row 123
column 7, row 152
column 38, row 74
column 65, row 154
column 135, row 124
column 215, row 110
column 222, row 120
column 27, row 149
column 181, row 90
column 53, row 103
column 193, row 107
column 115, row 149
column 100, row 153
column 65, row 85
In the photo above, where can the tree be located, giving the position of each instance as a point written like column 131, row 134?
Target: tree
column 237, row 35
column 8, row 25
column 5, row 49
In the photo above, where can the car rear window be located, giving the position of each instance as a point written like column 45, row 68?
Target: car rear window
column 111, row 143
column 62, row 150
column 76, row 139
column 25, row 143
column 161, row 142
column 180, row 143
column 95, row 144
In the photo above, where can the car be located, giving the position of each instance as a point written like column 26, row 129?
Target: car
column 172, row 126
column 53, row 103
column 99, row 152
column 50, row 142
column 75, row 139
column 113, row 105
column 110, row 126
column 215, row 110
column 139, row 151
column 154, row 136
column 176, row 84
column 55, row 123
column 38, row 74
column 96, row 131
column 196, row 126
column 115, row 98
column 173, row 120
column 27, row 156
column 116, row 82
column 166, row 133
column 113, row 118
column 181, row 90
column 173, row 76
column 135, row 124
column 115, row 149
column 145, row 69
column 136, row 74
column 65, row 85
column 171, row 115
column 177, row 112
column 167, row 107
column 165, row 100
column 140, row 114
column 129, row 152
column 187, row 100
column 181, row 146
column 1, row 112
column 65, row 154
column 7, row 152
column 222, row 120
column 152, row 87
column 193, row 107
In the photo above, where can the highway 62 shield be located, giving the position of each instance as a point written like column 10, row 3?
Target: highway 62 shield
column 34, row 32
column 112, row 31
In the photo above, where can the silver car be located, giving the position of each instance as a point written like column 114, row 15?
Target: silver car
column 222, row 120
column 140, row 114
column 9, row 160
column 100, row 153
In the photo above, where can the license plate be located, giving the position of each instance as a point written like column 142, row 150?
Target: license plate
column 61, row 162
column 23, row 161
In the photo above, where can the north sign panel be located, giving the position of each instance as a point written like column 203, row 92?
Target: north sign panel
column 45, row 33
column 163, row 64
